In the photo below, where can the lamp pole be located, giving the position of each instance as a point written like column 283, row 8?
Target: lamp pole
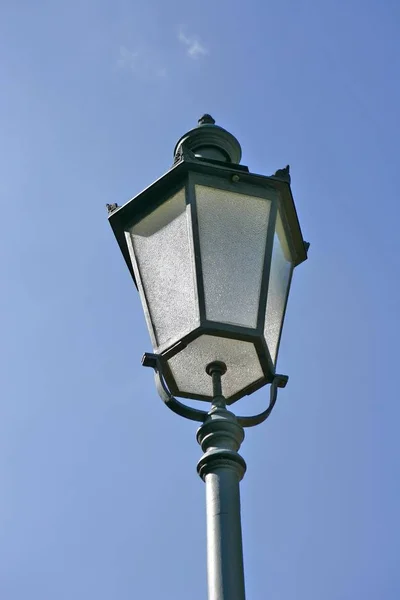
column 222, row 468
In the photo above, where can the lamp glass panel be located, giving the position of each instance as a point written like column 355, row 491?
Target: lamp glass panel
column 188, row 367
column 162, row 248
column 279, row 279
column 232, row 233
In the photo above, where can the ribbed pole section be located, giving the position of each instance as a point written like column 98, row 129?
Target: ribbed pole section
column 222, row 468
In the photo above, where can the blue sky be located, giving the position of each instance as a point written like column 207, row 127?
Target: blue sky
column 99, row 492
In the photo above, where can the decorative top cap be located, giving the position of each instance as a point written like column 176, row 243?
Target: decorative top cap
column 208, row 140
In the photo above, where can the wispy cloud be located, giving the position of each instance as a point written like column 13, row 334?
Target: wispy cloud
column 142, row 63
column 162, row 72
column 128, row 59
column 194, row 47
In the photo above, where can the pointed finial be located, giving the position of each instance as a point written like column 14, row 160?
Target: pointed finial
column 206, row 120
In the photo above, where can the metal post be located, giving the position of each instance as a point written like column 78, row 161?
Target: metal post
column 222, row 468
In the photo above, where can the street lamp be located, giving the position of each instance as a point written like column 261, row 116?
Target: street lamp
column 211, row 248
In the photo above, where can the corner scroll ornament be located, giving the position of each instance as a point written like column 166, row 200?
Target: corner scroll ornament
column 111, row 207
column 184, row 154
column 283, row 174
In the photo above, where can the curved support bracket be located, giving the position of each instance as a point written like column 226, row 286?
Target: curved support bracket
column 153, row 361
column 279, row 381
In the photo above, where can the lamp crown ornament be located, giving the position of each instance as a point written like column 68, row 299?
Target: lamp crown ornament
column 208, row 140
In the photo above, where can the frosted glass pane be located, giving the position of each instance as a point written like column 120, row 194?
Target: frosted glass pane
column 188, row 367
column 233, row 233
column 281, row 270
column 163, row 254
